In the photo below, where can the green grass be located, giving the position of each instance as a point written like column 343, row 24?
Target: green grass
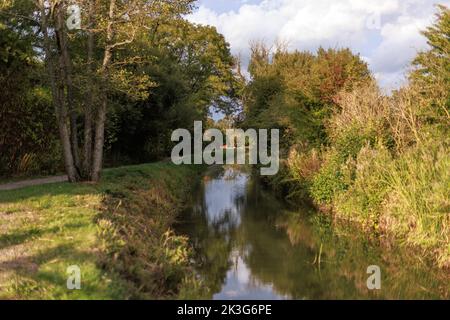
column 18, row 178
column 45, row 229
column 402, row 196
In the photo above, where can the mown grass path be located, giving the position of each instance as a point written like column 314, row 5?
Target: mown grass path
column 32, row 182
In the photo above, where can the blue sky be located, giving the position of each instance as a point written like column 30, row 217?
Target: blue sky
column 386, row 33
column 222, row 6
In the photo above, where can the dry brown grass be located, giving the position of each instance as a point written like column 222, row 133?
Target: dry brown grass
column 302, row 164
column 364, row 107
column 405, row 121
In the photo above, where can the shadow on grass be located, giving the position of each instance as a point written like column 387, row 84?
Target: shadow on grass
column 132, row 177
column 22, row 236
column 31, row 282
column 47, row 246
column 55, row 189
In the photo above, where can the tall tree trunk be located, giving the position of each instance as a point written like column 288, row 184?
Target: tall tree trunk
column 66, row 70
column 101, row 116
column 58, row 98
column 99, row 141
column 87, row 157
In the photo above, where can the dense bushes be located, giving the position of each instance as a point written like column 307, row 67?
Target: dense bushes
column 389, row 175
column 29, row 139
column 367, row 186
column 28, row 136
column 384, row 162
column 295, row 92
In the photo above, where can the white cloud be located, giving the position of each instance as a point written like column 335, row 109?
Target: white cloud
column 385, row 32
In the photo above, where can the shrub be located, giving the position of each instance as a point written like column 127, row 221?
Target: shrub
column 297, row 173
column 331, row 178
column 364, row 108
column 363, row 200
column 350, row 142
column 328, row 181
column 29, row 140
column 418, row 208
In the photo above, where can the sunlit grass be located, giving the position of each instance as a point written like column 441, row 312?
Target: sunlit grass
column 45, row 229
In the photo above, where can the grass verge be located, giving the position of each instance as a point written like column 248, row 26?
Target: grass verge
column 117, row 232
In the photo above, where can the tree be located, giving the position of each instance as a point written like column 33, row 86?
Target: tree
column 193, row 71
column 27, row 143
column 112, row 27
column 296, row 91
column 432, row 67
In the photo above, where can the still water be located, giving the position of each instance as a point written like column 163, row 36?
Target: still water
column 249, row 245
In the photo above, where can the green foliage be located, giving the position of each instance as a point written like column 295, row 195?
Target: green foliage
column 193, row 70
column 420, row 182
column 337, row 70
column 432, row 72
column 368, row 187
column 349, row 143
column 118, row 232
column 294, row 178
column 135, row 228
column 383, row 162
column 28, row 139
column 165, row 72
column 331, row 179
column 328, row 181
column 296, row 91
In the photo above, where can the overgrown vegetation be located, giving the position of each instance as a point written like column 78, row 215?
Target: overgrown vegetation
column 28, row 145
column 380, row 160
column 118, row 232
column 112, row 90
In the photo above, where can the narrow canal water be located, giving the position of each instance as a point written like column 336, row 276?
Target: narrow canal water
column 249, row 245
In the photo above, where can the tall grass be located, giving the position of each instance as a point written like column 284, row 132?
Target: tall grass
column 387, row 167
column 418, row 207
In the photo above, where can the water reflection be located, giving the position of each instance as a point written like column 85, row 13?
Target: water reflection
column 222, row 201
column 241, row 284
column 248, row 246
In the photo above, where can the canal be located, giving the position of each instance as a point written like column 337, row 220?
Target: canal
column 249, row 245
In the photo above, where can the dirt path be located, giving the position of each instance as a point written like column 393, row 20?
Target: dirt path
column 33, row 182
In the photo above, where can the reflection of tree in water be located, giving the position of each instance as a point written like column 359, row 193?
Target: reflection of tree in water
column 281, row 249
column 268, row 252
column 212, row 228
column 287, row 258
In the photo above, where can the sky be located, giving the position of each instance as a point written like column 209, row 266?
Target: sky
column 386, row 33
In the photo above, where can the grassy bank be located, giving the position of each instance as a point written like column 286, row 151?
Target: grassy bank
column 390, row 178
column 401, row 197
column 118, row 232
